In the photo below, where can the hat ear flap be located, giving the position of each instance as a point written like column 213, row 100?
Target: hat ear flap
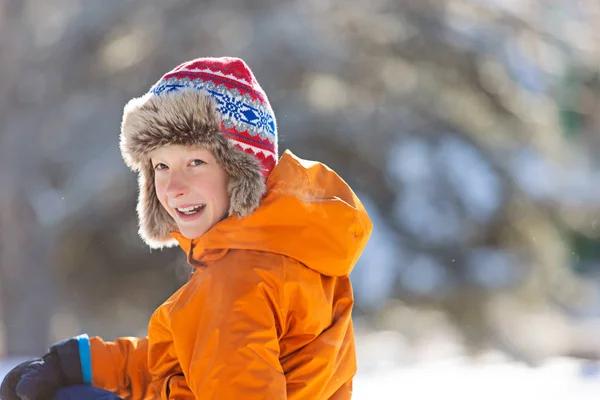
column 246, row 183
column 155, row 223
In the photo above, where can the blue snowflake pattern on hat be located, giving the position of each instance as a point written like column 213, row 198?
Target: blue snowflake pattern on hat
column 239, row 111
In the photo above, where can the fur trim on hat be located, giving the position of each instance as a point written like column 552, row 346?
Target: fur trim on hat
column 188, row 118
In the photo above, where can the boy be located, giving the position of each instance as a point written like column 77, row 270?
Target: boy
column 266, row 313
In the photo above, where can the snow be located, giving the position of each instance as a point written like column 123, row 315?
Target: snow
column 389, row 368
column 559, row 379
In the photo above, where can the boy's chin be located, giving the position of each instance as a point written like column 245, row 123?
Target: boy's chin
column 193, row 232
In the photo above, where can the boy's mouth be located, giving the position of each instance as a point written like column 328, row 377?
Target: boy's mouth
column 190, row 210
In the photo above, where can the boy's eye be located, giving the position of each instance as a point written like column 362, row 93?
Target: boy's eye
column 160, row 166
column 197, row 162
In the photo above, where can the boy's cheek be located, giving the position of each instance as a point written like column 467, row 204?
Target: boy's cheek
column 162, row 200
column 160, row 192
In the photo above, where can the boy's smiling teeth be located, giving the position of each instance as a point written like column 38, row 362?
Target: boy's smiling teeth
column 190, row 210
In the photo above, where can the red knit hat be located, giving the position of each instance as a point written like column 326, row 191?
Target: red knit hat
column 215, row 103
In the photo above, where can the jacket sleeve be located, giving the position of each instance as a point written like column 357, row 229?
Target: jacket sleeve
column 121, row 367
column 226, row 330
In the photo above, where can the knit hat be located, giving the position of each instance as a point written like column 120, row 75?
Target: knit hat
column 213, row 103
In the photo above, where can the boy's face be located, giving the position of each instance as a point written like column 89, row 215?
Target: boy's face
column 191, row 186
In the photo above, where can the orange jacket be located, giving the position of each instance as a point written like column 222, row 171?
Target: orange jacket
column 267, row 312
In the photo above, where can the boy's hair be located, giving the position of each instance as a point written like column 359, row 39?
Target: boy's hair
column 213, row 103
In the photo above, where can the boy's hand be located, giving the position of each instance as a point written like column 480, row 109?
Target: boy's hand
column 40, row 378
column 34, row 379
column 9, row 384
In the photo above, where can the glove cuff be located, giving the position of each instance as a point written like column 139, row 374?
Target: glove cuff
column 74, row 359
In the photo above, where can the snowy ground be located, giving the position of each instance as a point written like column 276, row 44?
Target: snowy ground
column 389, row 369
column 559, row 379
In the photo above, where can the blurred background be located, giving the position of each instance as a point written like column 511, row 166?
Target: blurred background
column 469, row 128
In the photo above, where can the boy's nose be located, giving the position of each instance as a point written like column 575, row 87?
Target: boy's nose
column 177, row 186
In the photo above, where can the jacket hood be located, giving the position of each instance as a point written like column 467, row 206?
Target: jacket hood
column 308, row 213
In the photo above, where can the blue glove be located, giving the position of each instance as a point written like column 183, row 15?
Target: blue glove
column 80, row 392
column 9, row 384
column 39, row 379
